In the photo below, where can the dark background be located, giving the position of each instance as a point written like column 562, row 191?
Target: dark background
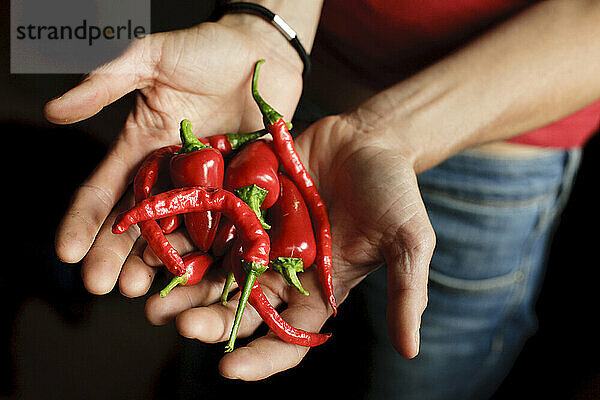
column 61, row 342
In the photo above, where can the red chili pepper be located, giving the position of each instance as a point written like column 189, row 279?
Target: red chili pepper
column 169, row 224
column 198, row 165
column 196, row 264
column 197, row 199
column 143, row 183
column 148, row 174
column 293, row 246
column 228, row 142
column 223, row 238
column 252, row 174
column 157, row 241
column 251, row 234
column 254, row 166
column 283, row 144
column 269, row 314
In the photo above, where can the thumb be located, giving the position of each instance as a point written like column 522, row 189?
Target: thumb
column 407, row 258
column 131, row 70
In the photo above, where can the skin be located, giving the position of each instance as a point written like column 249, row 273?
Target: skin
column 364, row 161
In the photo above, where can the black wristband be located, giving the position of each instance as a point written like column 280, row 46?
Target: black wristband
column 276, row 21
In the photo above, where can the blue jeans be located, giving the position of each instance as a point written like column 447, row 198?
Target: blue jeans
column 494, row 219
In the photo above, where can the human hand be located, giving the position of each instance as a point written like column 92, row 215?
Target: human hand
column 376, row 216
column 202, row 74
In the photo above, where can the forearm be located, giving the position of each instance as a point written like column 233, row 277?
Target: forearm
column 303, row 16
column 534, row 69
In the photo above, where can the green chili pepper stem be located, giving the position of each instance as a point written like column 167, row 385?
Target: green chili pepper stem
column 253, row 271
column 288, row 267
column 270, row 116
column 189, row 142
column 236, row 140
column 228, row 282
column 254, row 196
column 178, row 280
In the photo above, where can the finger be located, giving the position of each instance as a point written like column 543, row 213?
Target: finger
column 102, row 265
column 178, row 240
column 92, row 202
column 95, row 198
column 261, row 358
column 132, row 70
column 213, row 324
column 407, row 259
column 269, row 355
column 160, row 310
column 136, row 276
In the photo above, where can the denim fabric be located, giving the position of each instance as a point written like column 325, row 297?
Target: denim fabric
column 494, row 219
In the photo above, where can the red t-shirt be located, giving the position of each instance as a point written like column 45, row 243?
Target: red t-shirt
column 385, row 41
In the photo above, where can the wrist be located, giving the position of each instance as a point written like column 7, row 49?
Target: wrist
column 302, row 16
column 419, row 119
column 274, row 29
column 266, row 36
column 367, row 129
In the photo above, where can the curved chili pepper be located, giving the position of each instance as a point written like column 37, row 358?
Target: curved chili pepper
column 269, row 314
column 152, row 232
column 251, row 234
column 283, row 144
column 197, row 199
column 196, row 164
column 144, row 181
column 147, row 175
column 293, row 246
column 196, row 264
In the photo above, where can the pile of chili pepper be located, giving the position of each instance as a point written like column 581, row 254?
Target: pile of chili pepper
column 247, row 202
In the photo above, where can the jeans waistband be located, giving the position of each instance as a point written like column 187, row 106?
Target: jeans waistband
column 501, row 178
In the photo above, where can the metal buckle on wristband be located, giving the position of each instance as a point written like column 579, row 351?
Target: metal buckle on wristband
column 275, row 20
column 283, row 27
